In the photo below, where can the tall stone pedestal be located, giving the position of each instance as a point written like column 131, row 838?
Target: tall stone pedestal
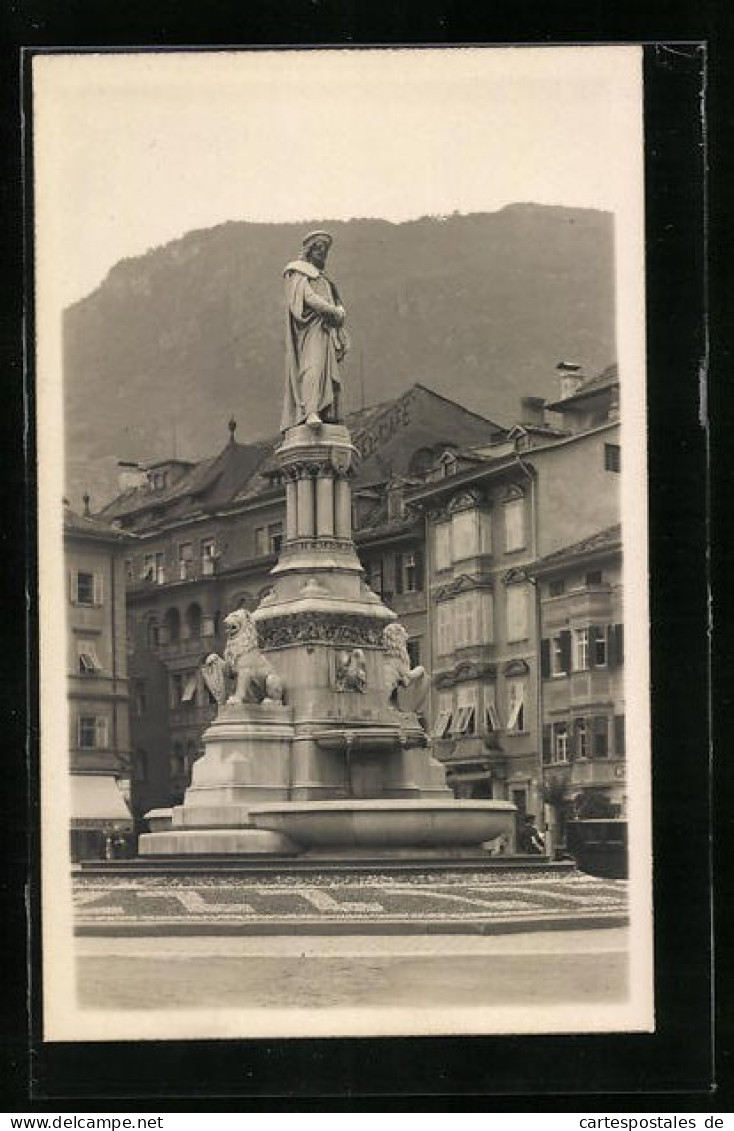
column 342, row 744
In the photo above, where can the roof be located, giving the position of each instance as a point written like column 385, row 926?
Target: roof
column 213, row 482
column 88, row 527
column 607, row 540
column 607, row 379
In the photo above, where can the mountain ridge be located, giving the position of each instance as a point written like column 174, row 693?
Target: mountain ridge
column 478, row 306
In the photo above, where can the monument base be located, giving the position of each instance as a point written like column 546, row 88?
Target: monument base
column 217, row 842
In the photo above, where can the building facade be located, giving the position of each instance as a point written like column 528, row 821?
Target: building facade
column 97, row 680
column 490, row 513
column 582, row 668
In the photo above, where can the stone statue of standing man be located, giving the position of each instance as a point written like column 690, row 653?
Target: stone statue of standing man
column 316, row 340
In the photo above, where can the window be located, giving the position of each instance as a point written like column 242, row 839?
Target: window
column 444, row 629
column 140, row 696
column 601, row 736
column 414, row 651
column 465, row 534
column 129, row 570
column 593, row 577
column 556, row 588
column 275, row 537
column 581, row 738
column 374, row 576
column 560, row 742
column 186, row 560
column 598, row 645
column 517, row 613
column 175, row 689
column 465, row 617
column 188, row 694
column 466, row 710
column 612, row 457
column 516, row 705
column 443, row 545
column 514, row 525
column 87, row 655
column 92, row 732
column 261, row 541
column 444, row 713
column 561, row 654
column 581, row 649
column 86, row 588
column 208, row 556
column 154, row 569
column 409, row 573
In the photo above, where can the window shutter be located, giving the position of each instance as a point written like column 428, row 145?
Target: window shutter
column 619, row 633
column 545, row 658
column 98, row 589
column 570, row 743
column 619, row 744
column 73, row 586
column 419, row 567
column 565, row 638
column 611, row 646
column 101, row 733
column 594, row 631
column 547, row 742
column 398, row 560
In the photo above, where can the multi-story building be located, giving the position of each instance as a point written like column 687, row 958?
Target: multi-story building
column 99, row 738
column 208, row 535
column 580, row 592
column 491, row 512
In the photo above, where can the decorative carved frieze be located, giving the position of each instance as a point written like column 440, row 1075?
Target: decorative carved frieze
column 322, row 628
column 464, row 672
column 516, row 577
column 466, row 500
column 516, row 667
column 461, row 584
column 297, row 545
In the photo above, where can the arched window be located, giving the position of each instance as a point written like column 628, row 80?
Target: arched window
column 193, row 621
column 172, row 622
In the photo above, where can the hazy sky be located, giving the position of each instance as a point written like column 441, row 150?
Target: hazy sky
column 135, row 150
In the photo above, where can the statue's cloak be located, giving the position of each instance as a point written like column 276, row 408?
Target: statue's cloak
column 312, row 345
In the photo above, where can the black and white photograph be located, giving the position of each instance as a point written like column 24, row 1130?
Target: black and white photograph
column 341, row 435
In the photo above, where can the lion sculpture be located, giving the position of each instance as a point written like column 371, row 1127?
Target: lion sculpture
column 255, row 679
column 407, row 687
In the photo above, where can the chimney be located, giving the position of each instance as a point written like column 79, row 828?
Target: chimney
column 532, row 411
column 570, row 378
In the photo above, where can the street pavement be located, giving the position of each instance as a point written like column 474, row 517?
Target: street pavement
column 584, row 967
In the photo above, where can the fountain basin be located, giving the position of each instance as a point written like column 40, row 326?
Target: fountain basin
column 386, row 823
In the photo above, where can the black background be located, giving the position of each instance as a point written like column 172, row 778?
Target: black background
column 689, row 488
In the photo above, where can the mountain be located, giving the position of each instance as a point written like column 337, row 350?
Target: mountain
column 478, row 307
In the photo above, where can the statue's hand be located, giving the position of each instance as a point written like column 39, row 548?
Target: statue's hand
column 339, row 315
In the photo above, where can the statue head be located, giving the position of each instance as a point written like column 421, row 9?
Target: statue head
column 395, row 641
column 239, row 627
column 316, row 248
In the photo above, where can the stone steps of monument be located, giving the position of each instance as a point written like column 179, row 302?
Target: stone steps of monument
column 411, row 862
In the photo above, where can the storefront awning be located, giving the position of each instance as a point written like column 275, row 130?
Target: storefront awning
column 96, row 802
column 468, row 775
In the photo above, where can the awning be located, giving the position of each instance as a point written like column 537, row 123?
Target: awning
column 96, row 803
column 459, row 775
